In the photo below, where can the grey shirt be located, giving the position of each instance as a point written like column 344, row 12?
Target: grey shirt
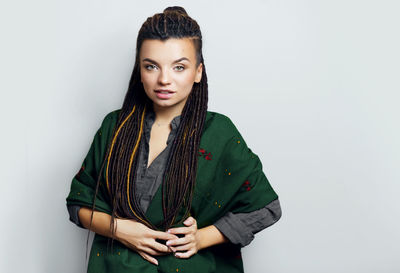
column 239, row 228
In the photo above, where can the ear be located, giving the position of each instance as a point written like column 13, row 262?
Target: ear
column 199, row 71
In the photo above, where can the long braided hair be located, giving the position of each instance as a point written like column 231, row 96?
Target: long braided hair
column 121, row 158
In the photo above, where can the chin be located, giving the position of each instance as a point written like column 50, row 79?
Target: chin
column 166, row 103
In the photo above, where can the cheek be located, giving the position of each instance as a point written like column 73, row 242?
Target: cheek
column 144, row 77
column 186, row 80
column 147, row 79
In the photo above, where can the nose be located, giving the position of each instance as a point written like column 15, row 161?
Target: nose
column 164, row 77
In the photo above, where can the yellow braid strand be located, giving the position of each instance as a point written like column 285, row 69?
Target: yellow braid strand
column 112, row 146
column 130, row 165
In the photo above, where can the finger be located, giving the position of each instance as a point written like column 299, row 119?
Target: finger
column 182, row 247
column 180, row 230
column 151, row 251
column 171, row 250
column 148, row 257
column 180, row 241
column 159, row 247
column 184, row 255
column 163, row 235
column 189, row 221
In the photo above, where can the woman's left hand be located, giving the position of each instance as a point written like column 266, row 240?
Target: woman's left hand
column 190, row 243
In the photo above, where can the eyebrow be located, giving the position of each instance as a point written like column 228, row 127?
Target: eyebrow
column 176, row 61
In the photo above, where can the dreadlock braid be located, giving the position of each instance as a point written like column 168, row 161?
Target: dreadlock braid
column 121, row 157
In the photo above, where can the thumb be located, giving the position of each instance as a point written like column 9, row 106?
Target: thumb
column 188, row 221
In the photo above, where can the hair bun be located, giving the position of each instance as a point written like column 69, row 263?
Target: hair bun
column 176, row 9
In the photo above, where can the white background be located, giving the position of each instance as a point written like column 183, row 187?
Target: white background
column 313, row 86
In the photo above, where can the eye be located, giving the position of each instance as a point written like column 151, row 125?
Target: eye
column 180, row 67
column 149, row 66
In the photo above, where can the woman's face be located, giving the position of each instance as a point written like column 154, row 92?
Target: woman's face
column 169, row 65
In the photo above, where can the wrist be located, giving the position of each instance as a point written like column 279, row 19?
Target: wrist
column 117, row 232
column 123, row 229
column 200, row 238
column 209, row 236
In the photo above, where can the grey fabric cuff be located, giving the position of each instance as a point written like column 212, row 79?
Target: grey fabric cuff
column 262, row 218
column 234, row 229
column 73, row 215
column 240, row 228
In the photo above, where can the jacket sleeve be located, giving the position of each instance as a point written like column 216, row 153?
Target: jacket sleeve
column 240, row 228
column 253, row 203
column 243, row 175
column 83, row 185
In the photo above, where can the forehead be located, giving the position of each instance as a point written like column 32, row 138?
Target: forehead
column 170, row 49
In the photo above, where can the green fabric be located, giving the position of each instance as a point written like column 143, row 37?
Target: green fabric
column 229, row 178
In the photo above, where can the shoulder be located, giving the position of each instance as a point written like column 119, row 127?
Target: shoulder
column 111, row 118
column 217, row 117
column 109, row 122
column 220, row 130
column 221, row 123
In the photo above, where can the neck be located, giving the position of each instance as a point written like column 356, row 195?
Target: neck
column 165, row 115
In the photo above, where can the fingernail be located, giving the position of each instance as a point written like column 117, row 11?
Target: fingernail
column 168, row 243
column 169, row 231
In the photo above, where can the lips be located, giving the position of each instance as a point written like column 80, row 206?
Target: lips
column 164, row 93
column 163, row 90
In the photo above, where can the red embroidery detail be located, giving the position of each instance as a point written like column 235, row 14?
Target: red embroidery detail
column 205, row 154
column 80, row 171
column 246, row 184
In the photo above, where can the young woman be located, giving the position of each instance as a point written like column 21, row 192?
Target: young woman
column 174, row 184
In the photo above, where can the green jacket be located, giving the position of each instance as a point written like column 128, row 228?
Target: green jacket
column 229, row 178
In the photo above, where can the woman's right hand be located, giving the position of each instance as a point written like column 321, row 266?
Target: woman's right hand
column 142, row 239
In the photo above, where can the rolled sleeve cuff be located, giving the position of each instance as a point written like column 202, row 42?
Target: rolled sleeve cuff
column 234, row 229
column 73, row 215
